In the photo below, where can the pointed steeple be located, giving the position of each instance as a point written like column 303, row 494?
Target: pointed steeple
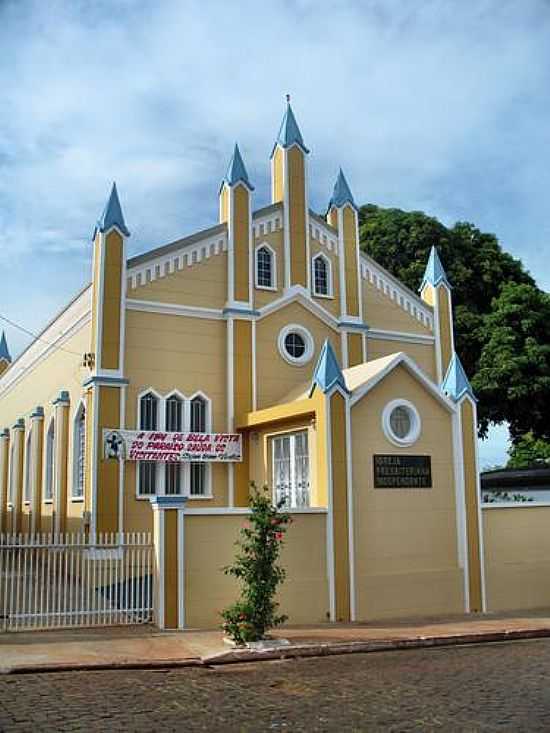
column 111, row 216
column 236, row 171
column 289, row 132
column 456, row 383
column 342, row 193
column 327, row 373
column 4, row 352
column 434, row 273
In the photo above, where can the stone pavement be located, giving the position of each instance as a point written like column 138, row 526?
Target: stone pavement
column 145, row 647
column 487, row 688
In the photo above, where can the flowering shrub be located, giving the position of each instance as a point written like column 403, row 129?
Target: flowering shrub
column 256, row 568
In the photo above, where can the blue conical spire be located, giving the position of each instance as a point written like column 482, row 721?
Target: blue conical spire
column 456, row 383
column 327, row 373
column 289, row 132
column 236, row 171
column 4, row 353
column 342, row 193
column 111, row 216
column 434, row 273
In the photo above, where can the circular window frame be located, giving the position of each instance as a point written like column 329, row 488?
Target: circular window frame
column 308, row 341
column 416, row 423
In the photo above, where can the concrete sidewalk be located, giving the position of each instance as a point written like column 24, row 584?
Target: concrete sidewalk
column 145, row 647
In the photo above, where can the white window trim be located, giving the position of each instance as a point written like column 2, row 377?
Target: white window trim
column 81, row 406
column 416, row 426
column 273, row 285
column 291, row 436
column 161, row 422
column 330, row 281
column 46, row 451
column 308, row 339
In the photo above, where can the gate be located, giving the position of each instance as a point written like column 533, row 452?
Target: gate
column 62, row 580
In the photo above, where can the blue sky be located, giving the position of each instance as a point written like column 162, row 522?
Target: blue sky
column 431, row 105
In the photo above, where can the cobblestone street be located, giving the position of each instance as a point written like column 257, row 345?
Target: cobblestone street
column 500, row 687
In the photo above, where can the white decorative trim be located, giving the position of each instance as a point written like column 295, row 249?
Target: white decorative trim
column 402, row 358
column 230, row 511
column 171, row 309
column 269, row 223
column 323, row 235
column 299, row 294
column 414, row 416
column 460, row 500
column 330, row 278
column 413, row 338
column 345, row 351
column 80, row 408
column 273, row 254
column 308, row 342
column 395, row 291
column 171, row 262
column 515, row 505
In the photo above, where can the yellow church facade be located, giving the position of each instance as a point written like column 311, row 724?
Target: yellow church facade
column 343, row 386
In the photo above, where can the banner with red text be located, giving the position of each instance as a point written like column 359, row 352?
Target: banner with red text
column 146, row 445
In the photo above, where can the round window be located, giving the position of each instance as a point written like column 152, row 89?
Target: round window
column 296, row 344
column 401, row 422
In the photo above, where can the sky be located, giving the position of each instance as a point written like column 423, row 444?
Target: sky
column 441, row 106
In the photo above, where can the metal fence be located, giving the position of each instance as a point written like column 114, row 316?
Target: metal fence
column 61, row 580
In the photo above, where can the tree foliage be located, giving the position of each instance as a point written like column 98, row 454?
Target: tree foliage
column 478, row 269
column 257, row 568
column 529, row 451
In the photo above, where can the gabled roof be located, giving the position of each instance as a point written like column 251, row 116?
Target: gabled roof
column 289, row 132
column 112, row 215
column 456, row 383
column 4, row 353
column 236, row 171
column 434, row 273
column 341, row 194
column 327, row 373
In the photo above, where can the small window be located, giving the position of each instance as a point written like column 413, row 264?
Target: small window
column 265, row 268
column 27, row 494
column 148, row 420
column 401, row 422
column 50, row 462
column 296, row 344
column 321, row 276
column 290, row 459
column 174, row 424
column 79, row 476
column 198, row 471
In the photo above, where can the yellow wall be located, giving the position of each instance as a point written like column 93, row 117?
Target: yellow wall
column 380, row 311
column 445, row 329
column 275, row 376
column 209, row 546
column 203, row 285
column 241, row 213
column 355, row 349
column 224, row 201
column 469, row 440
column 340, row 507
column 405, row 539
column 242, row 364
column 278, row 184
column 297, row 216
column 351, row 254
column 517, row 557
column 422, row 354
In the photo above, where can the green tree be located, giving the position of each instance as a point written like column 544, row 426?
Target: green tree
column 513, row 376
column 528, row 451
column 476, row 266
column 257, row 568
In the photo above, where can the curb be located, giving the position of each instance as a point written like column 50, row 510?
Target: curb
column 294, row 651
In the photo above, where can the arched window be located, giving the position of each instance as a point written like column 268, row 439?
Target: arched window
column 79, row 452
column 148, row 420
column 197, row 424
column 174, row 424
column 50, row 462
column 27, row 493
column 322, row 284
column 265, row 268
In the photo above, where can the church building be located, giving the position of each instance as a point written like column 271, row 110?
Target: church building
column 284, row 356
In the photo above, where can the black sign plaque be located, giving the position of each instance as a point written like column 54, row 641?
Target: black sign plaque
column 402, row 472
